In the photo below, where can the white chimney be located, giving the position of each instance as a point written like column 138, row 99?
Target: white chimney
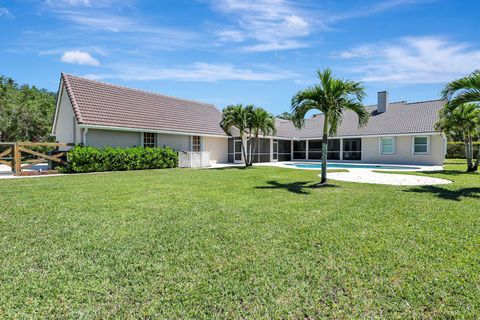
column 382, row 103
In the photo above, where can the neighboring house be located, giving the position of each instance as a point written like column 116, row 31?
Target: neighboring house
column 99, row 114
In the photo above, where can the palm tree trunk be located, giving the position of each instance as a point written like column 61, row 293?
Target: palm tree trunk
column 477, row 162
column 470, row 153
column 250, row 149
column 467, row 152
column 244, row 147
column 255, row 146
column 324, row 151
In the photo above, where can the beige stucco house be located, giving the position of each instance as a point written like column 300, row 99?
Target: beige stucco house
column 100, row 114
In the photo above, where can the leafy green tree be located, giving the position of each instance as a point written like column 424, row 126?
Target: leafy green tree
column 331, row 96
column 285, row 116
column 462, row 91
column 465, row 121
column 26, row 113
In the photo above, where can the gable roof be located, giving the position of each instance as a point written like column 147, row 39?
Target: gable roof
column 400, row 118
column 102, row 104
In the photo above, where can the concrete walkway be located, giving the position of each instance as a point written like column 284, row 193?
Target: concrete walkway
column 368, row 176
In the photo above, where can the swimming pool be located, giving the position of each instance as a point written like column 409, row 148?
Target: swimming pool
column 350, row 166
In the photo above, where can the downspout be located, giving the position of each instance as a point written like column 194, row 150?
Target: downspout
column 84, row 136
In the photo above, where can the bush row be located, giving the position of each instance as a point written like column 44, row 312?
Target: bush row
column 91, row 159
column 457, row 150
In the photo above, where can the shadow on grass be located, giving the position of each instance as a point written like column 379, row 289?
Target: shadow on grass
column 231, row 168
column 300, row 187
column 456, row 195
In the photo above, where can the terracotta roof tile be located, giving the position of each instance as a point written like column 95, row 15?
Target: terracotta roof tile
column 102, row 104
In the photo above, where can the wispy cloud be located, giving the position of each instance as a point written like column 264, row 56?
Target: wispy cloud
column 273, row 25
column 86, row 3
column 270, row 24
column 413, row 60
column 372, row 9
column 79, row 57
column 4, row 12
column 200, row 71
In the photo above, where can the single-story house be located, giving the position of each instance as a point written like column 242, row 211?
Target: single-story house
column 99, row 114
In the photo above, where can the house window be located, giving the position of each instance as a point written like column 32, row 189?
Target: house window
column 420, row 145
column 196, row 144
column 149, row 140
column 387, row 145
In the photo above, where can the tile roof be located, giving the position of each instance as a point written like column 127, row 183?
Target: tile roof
column 102, row 104
column 400, row 118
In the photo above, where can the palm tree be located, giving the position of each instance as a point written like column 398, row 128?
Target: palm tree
column 461, row 91
column 236, row 116
column 250, row 122
column 331, row 96
column 262, row 122
column 464, row 121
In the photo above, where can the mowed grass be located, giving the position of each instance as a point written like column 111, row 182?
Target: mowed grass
column 238, row 243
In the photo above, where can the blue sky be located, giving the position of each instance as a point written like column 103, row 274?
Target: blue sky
column 242, row 51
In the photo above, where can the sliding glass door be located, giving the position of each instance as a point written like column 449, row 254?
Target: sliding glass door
column 352, row 149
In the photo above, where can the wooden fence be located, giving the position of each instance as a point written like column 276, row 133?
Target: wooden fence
column 17, row 153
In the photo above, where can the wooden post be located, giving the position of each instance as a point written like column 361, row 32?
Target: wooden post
column 17, row 158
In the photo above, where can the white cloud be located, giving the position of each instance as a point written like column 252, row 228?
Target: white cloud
column 413, row 60
column 275, row 46
column 200, row 71
column 269, row 24
column 230, row 35
column 86, row 3
column 79, row 57
column 4, row 12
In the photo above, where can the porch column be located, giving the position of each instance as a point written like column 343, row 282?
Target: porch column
column 306, row 149
column 341, row 149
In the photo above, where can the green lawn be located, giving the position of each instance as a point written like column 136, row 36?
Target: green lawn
column 238, row 243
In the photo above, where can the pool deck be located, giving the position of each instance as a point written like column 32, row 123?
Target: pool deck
column 362, row 175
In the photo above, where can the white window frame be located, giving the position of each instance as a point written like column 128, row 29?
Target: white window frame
column 200, row 145
column 155, row 138
column 413, row 145
column 380, row 150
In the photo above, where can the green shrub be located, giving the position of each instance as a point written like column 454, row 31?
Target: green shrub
column 91, row 159
column 457, row 150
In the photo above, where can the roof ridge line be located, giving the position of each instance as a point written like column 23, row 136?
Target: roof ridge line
column 423, row 101
column 140, row 90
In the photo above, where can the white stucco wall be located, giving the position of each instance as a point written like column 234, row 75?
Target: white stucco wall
column 66, row 129
column 101, row 138
column 218, row 148
column 403, row 151
column 176, row 142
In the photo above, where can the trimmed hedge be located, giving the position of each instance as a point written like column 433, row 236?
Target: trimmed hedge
column 91, row 159
column 457, row 150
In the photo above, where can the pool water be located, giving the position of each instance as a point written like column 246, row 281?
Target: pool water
column 349, row 166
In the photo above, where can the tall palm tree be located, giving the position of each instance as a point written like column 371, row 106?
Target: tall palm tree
column 236, row 116
column 331, row 96
column 461, row 91
column 262, row 122
column 465, row 121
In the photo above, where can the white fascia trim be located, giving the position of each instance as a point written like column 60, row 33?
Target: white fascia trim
column 154, row 131
column 57, row 105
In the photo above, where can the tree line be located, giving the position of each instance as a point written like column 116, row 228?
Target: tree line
column 26, row 112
